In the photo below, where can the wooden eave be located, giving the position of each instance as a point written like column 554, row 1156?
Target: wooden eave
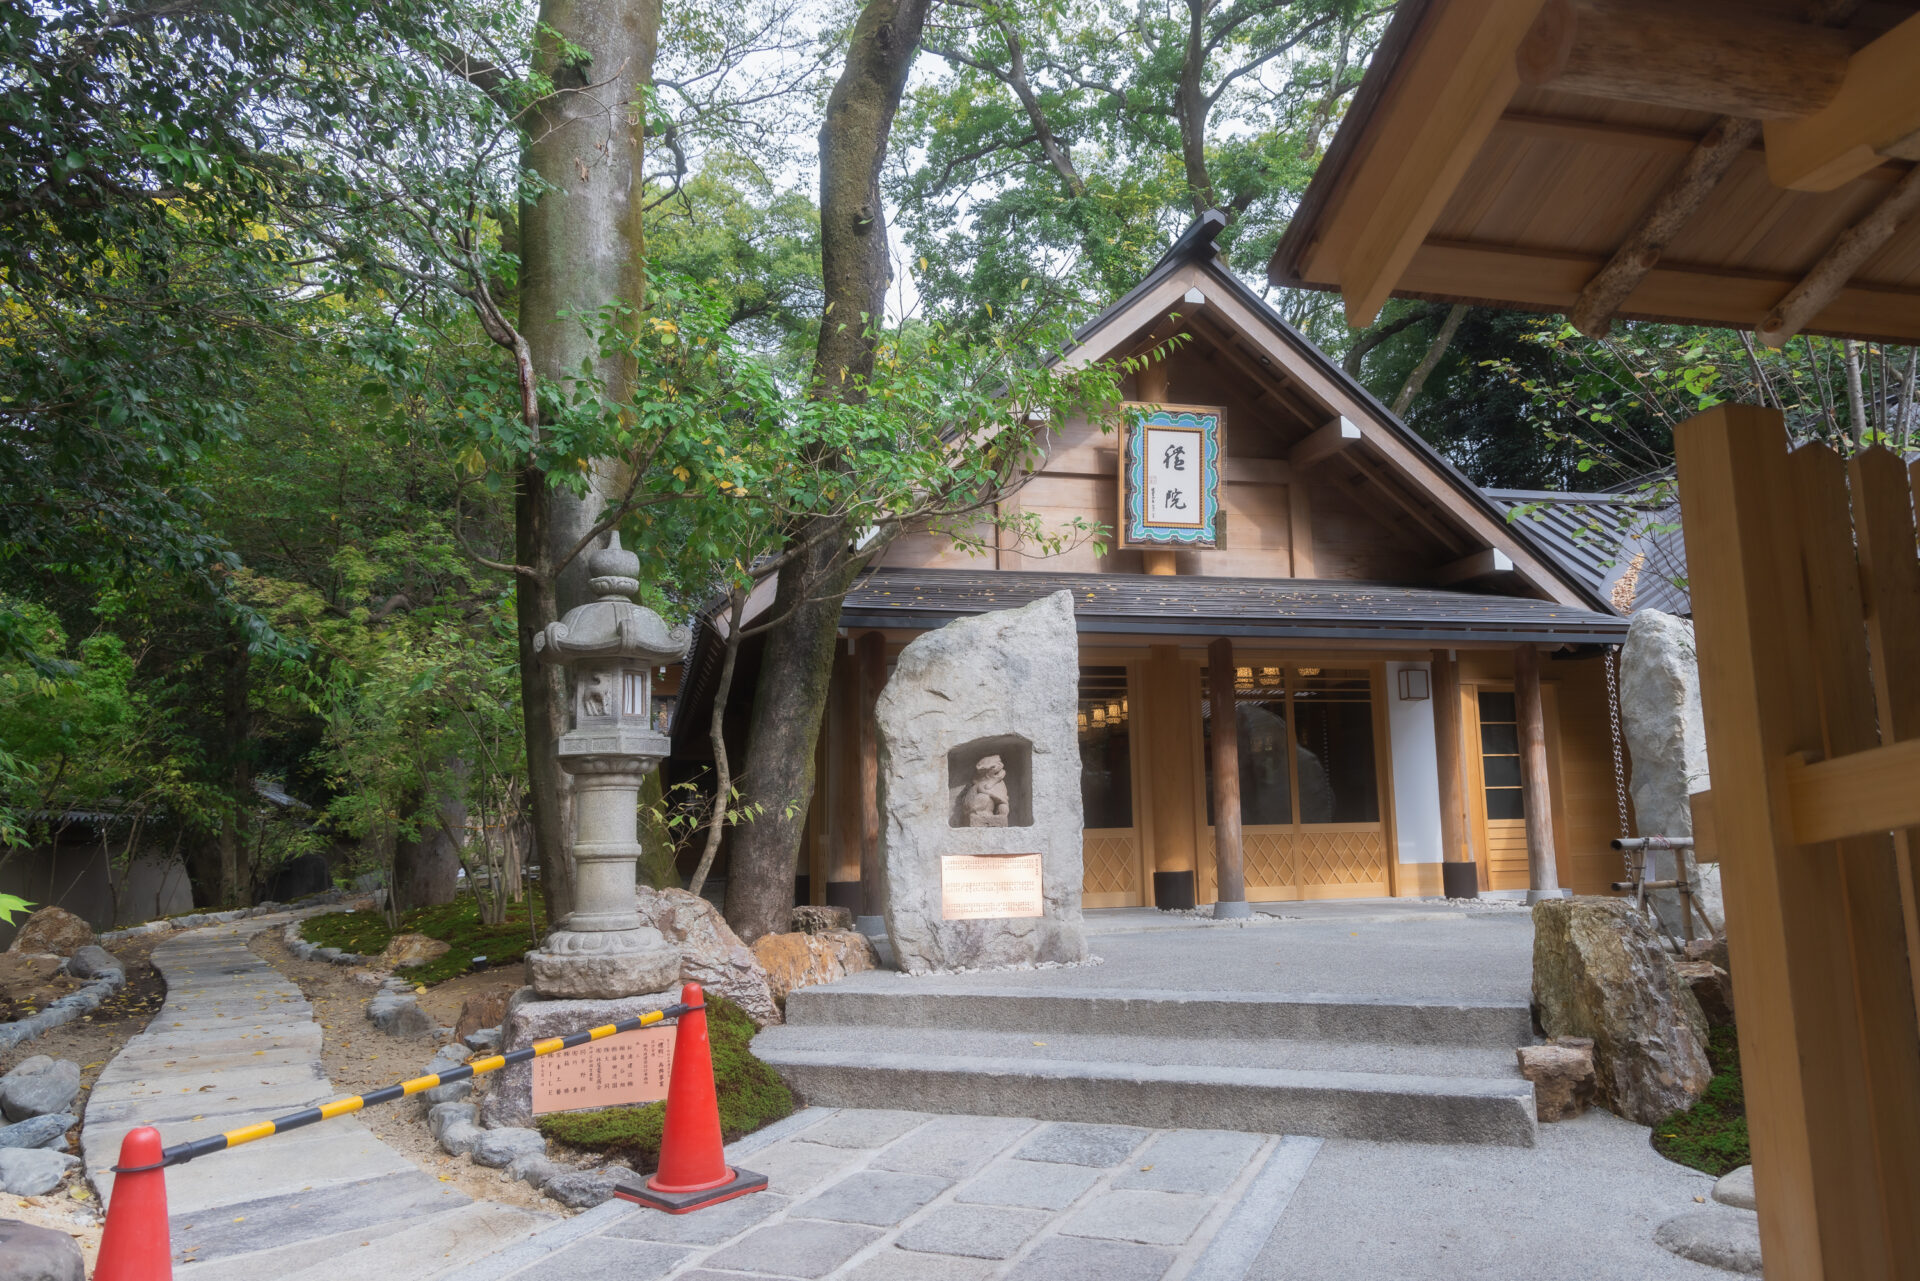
column 1548, row 185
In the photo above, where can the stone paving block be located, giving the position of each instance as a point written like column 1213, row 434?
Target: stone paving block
column 1190, row 1161
column 881, row 1198
column 802, row 1248
column 1038, row 1185
column 601, row 1259
column 1074, row 1143
column 1150, row 1218
column 1078, row 1259
column 797, row 1167
column 244, row 1226
column 710, row 1226
column 905, row 1265
column 952, row 1147
column 973, row 1231
column 863, row 1127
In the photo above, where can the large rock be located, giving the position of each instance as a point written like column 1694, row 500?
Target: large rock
column 33, row 1171
column 711, row 954
column 95, row 962
column 52, row 929
column 802, row 960
column 29, row 1253
column 39, row 1086
column 980, row 755
column 1661, row 721
column 1599, row 972
column 509, row 1100
column 411, row 949
column 1711, row 987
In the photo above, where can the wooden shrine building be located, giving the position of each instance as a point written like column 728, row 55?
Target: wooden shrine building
column 1416, row 679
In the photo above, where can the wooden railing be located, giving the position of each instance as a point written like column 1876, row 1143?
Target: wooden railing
column 1806, row 596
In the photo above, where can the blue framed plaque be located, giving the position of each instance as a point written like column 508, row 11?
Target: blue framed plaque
column 1170, row 476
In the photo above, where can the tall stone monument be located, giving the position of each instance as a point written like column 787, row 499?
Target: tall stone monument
column 980, row 792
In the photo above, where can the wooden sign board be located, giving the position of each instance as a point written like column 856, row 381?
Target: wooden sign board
column 627, row 1068
column 1170, row 476
column 984, row 887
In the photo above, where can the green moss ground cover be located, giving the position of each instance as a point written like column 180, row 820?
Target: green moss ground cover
column 457, row 924
column 1712, row 1134
column 751, row 1095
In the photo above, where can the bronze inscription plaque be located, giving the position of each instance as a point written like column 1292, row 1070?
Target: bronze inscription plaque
column 631, row 1067
column 979, row 887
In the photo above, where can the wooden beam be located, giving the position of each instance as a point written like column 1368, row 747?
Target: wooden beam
column 1876, row 115
column 1229, row 863
column 1444, row 111
column 1324, row 443
column 1478, row 565
column 1728, row 61
column 1536, row 786
column 1446, row 744
column 1685, row 192
column 1598, row 133
column 1818, row 288
column 1437, row 530
column 1856, row 794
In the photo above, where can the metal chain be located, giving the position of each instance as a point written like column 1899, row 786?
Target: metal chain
column 1619, row 759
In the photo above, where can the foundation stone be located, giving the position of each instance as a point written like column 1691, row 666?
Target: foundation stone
column 980, row 766
column 509, row 1098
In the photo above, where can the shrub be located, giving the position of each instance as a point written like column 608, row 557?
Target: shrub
column 1712, row 1134
column 456, row 924
column 751, row 1095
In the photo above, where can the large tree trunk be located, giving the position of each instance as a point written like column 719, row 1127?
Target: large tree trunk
column 798, row 662
column 426, row 867
column 581, row 249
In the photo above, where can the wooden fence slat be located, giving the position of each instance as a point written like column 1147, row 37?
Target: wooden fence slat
column 1866, row 910
column 1884, row 531
column 1859, row 794
column 1798, row 1034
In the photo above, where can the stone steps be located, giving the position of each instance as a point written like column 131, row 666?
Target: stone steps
column 1324, row 1066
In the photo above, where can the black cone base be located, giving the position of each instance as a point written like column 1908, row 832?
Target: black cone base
column 742, row 1182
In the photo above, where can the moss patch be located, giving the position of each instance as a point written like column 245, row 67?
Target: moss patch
column 457, row 924
column 751, row 1095
column 1712, row 1134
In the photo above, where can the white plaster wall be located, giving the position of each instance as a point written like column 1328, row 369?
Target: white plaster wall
column 1416, row 770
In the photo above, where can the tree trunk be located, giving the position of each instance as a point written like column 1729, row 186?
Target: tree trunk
column 1438, row 348
column 798, row 662
column 236, row 714
column 426, row 867
column 1856, row 398
column 1192, row 109
column 581, row 249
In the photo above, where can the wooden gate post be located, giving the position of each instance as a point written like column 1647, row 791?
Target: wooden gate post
column 1446, row 749
column 1543, row 872
column 1229, row 863
column 870, row 672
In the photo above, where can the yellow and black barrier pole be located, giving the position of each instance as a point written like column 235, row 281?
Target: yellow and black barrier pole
column 181, row 1153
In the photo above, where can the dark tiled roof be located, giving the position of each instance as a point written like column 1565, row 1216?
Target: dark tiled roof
column 1607, row 538
column 1185, row 605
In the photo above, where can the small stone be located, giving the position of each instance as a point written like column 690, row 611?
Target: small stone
column 52, row 929
column 1710, row 986
column 33, row 1171
column 534, row 1169
column 37, row 1132
column 38, row 1086
column 798, row 960
column 1718, row 1236
column 444, row 1116
column 1735, row 1188
column 95, row 962
column 29, row 1253
column 584, row 1189
column 412, row 949
column 499, row 1149
column 818, row 919
column 1562, row 1076
column 486, row 1038
column 458, row 1139
column 482, row 1010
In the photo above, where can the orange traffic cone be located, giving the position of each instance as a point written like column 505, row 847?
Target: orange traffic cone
column 693, row 1162
column 135, row 1246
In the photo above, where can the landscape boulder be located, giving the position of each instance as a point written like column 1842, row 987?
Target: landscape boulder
column 799, row 960
column 1599, row 972
column 33, row 1171
column 498, row 1149
column 1666, row 738
column 509, row 1099
column 39, row 1086
column 711, row 954
column 42, row 1131
column 1562, row 1076
column 482, row 1010
column 1718, row 1236
column 1711, row 987
column 584, row 1189
column 95, row 962
column 815, row 918
column 52, row 929
column 412, row 949
column 29, row 1253
column 1735, row 1188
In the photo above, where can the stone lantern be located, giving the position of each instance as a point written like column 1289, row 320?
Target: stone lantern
column 609, row 646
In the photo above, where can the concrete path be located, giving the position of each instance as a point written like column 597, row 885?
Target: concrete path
column 236, row 1043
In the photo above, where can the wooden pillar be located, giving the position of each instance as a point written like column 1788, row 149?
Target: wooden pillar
column 1446, row 751
column 1229, row 863
column 1543, row 876
column 1166, row 734
column 870, row 670
column 1151, row 385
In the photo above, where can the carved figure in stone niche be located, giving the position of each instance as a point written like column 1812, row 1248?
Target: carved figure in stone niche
column 594, row 689
column 985, row 801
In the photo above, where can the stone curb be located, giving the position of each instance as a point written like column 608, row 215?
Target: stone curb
column 65, row 1010
column 310, row 952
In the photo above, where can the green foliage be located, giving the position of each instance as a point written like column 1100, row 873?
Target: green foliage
column 1712, row 1134
column 458, row 924
column 751, row 1095
column 11, row 904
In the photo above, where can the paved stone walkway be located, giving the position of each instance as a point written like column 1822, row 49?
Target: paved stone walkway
column 236, row 1043
column 904, row 1196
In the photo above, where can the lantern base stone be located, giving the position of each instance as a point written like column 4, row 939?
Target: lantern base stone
column 603, row 965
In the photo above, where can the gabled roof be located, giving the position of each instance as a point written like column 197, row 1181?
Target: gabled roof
column 1631, row 552
column 1194, row 261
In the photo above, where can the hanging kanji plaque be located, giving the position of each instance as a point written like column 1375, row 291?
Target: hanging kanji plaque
column 1170, row 476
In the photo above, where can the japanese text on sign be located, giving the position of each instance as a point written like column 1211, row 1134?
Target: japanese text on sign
column 630, row 1067
column 1170, row 477
column 978, row 887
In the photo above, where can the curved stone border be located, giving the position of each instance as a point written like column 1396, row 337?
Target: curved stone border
column 65, row 1010
column 309, row 952
column 192, row 921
